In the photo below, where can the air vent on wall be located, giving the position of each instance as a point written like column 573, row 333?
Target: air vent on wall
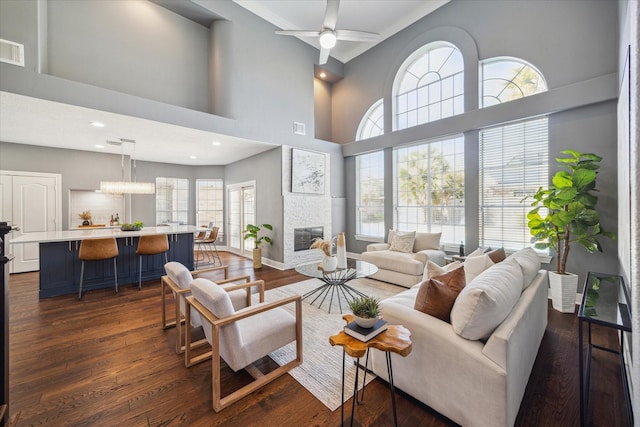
column 11, row 52
column 299, row 128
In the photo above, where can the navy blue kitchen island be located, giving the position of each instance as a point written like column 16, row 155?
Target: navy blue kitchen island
column 60, row 266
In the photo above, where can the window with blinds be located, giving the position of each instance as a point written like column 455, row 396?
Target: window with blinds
column 513, row 164
column 370, row 195
column 172, row 200
column 429, row 188
column 210, row 202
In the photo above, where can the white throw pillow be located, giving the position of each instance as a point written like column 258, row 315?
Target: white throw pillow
column 475, row 264
column 403, row 241
column 427, row 241
column 485, row 302
column 432, row 269
column 529, row 262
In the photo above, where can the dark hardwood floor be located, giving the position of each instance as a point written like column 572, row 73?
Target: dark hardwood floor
column 105, row 361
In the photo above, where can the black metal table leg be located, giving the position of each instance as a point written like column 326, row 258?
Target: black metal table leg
column 581, row 365
column 393, row 392
column 355, row 392
column 342, row 401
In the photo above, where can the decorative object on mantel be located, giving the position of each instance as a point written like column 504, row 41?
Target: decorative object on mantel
column 86, row 216
column 251, row 232
column 568, row 206
column 127, row 187
column 366, row 311
column 341, row 251
column 330, row 261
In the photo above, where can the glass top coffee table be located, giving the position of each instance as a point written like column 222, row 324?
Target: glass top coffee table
column 334, row 283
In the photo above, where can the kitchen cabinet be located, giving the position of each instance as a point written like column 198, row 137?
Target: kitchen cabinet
column 60, row 266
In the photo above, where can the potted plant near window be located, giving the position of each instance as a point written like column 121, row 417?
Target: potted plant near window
column 563, row 214
column 251, row 232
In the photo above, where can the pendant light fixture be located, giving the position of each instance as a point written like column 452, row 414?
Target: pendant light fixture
column 127, row 187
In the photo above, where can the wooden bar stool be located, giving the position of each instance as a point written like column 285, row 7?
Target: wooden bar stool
column 151, row 245
column 98, row 250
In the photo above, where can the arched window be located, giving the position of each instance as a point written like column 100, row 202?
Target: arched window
column 505, row 79
column 372, row 124
column 429, row 85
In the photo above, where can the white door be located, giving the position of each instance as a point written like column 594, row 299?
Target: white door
column 33, row 203
column 241, row 211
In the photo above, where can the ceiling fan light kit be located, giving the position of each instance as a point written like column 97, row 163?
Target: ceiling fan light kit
column 328, row 35
column 327, row 39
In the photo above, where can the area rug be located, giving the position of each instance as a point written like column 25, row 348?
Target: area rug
column 321, row 370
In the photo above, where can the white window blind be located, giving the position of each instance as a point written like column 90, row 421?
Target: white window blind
column 513, row 164
column 370, row 195
column 429, row 188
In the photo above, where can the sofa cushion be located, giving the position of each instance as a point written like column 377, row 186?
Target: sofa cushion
column 486, row 301
column 395, row 261
column 497, row 255
column 432, row 269
column 403, row 241
column 437, row 295
column 425, row 241
column 529, row 262
column 476, row 264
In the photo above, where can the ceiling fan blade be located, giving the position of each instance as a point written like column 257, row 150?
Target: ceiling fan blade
column 324, row 56
column 298, row 33
column 331, row 14
column 357, row 36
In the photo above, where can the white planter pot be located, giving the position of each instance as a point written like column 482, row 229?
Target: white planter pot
column 563, row 291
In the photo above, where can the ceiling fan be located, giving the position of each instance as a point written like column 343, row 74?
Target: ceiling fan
column 328, row 35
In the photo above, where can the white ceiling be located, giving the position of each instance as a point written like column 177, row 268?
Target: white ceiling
column 27, row 120
column 384, row 17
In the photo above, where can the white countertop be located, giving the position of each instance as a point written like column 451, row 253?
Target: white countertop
column 97, row 233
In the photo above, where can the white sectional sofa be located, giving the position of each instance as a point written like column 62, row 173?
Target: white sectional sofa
column 404, row 268
column 474, row 382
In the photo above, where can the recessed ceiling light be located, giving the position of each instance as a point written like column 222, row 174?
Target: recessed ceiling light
column 97, row 124
column 323, row 75
column 192, row 157
column 216, row 143
column 99, row 146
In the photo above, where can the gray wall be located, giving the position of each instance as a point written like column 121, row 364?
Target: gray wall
column 133, row 47
column 80, row 170
column 573, row 45
column 266, row 170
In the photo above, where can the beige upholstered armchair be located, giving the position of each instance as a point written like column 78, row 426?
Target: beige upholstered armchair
column 179, row 279
column 242, row 337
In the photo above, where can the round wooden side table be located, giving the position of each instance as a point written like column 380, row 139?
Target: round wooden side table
column 396, row 339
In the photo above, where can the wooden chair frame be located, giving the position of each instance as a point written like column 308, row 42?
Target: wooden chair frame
column 260, row 379
column 179, row 293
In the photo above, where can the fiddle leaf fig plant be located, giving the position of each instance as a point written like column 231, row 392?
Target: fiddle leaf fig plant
column 251, row 232
column 565, row 212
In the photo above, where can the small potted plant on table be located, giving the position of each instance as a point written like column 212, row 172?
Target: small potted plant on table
column 366, row 311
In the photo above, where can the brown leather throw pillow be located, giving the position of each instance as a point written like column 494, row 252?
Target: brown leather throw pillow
column 497, row 255
column 437, row 294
